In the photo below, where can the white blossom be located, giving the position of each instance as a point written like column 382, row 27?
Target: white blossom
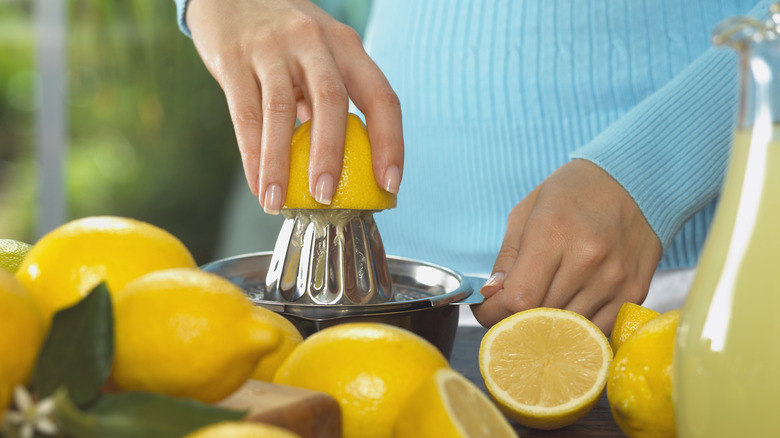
column 30, row 417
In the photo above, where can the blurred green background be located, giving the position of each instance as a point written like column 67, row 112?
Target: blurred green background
column 149, row 134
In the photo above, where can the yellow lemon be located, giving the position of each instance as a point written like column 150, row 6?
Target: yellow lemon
column 545, row 368
column 186, row 333
column 357, row 188
column 369, row 368
column 21, row 335
column 447, row 405
column 639, row 388
column 238, row 429
column 290, row 338
column 629, row 318
column 67, row 263
column 11, row 254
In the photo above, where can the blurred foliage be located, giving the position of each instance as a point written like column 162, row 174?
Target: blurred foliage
column 149, row 131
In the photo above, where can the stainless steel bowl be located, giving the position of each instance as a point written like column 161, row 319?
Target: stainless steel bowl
column 422, row 302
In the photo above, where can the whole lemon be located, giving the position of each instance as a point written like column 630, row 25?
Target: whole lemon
column 187, row 333
column 369, row 368
column 239, row 429
column 21, row 335
column 629, row 318
column 639, row 387
column 290, row 338
column 357, row 187
column 68, row 262
column 12, row 252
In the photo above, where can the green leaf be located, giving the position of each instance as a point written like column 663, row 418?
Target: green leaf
column 74, row 423
column 142, row 415
column 78, row 351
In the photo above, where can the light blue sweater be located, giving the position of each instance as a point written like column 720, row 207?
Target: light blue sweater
column 498, row 94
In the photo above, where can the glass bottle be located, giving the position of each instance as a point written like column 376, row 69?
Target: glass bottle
column 726, row 375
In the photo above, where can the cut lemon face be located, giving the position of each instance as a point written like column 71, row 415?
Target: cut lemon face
column 447, row 405
column 629, row 318
column 545, row 368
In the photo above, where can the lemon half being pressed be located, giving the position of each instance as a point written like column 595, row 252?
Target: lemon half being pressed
column 447, row 405
column 357, row 187
column 545, row 368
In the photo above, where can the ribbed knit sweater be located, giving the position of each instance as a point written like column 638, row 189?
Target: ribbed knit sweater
column 498, row 94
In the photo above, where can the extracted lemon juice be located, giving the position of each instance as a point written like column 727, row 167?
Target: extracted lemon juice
column 726, row 364
column 727, row 356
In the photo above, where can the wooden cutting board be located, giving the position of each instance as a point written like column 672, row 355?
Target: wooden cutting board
column 310, row 414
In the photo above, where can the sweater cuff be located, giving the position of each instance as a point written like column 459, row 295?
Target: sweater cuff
column 670, row 152
column 181, row 11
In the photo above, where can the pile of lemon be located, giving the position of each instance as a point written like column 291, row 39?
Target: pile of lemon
column 183, row 332
column 168, row 314
column 547, row 368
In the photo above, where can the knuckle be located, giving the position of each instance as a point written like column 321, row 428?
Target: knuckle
column 593, row 251
column 247, row 117
column 615, row 275
column 280, row 104
column 346, row 34
column 304, row 26
column 332, row 92
column 386, row 95
column 519, row 300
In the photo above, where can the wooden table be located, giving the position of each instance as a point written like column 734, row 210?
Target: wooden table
column 598, row 423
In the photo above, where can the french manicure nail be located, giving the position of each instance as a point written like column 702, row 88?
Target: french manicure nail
column 324, row 189
column 392, row 179
column 272, row 203
column 494, row 280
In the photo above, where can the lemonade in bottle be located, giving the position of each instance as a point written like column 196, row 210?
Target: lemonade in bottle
column 727, row 354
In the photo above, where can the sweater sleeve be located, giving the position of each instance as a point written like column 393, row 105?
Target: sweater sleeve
column 670, row 152
column 181, row 9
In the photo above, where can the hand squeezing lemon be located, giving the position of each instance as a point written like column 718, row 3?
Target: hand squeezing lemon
column 357, row 187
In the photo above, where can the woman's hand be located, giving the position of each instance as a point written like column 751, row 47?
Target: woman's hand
column 281, row 59
column 579, row 242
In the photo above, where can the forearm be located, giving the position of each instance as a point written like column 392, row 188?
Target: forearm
column 670, row 152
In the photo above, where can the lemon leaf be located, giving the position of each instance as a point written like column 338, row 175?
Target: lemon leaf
column 140, row 415
column 78, row 351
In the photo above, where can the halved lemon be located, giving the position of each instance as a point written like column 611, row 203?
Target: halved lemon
column 447, row 405
column 545, row 368
column 357, row 187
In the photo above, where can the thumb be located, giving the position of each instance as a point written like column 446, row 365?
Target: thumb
column 510, row 247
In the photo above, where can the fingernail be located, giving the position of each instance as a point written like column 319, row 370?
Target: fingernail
column 324, row 189
column 392, row 179
column 272, row 203
column 494, row 280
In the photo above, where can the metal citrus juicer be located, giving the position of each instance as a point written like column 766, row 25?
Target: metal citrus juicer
column 329, row 257
column 329, row 267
